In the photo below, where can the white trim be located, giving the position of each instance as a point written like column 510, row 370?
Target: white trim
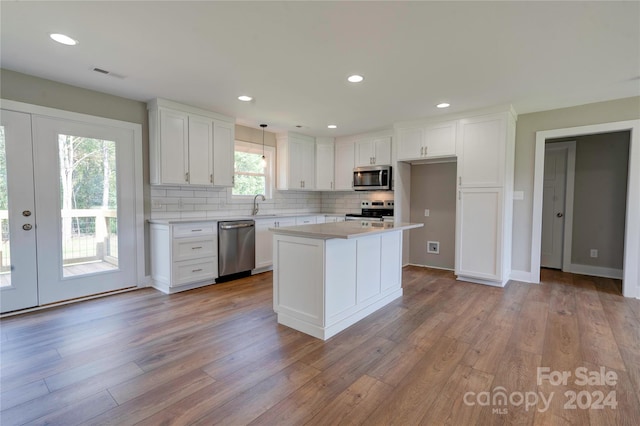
column 631, row 275
column 522, row 276
column 136, row 128
column 596, row 271
column 570, row 184
column 430, row 267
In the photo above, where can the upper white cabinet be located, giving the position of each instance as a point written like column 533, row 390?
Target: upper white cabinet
column 429, row 141
column 344, row 164
column 486, row 147
column 189, row 146
column 324, row 164
column 296, row 161
column 374, row 151
column 482, row 151
column 223, row 153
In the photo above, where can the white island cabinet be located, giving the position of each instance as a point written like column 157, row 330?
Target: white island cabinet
column 329, row 276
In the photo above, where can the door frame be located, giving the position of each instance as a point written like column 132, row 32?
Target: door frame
column 631, row 263
column 136, row 128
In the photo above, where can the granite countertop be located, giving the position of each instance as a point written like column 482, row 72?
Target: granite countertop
column 238, row 217
column 344, row 230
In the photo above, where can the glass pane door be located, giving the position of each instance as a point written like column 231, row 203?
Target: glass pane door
column 85, row 193
column 18, row 275
column 89, row 205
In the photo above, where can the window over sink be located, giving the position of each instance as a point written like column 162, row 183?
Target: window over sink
column 250, row 177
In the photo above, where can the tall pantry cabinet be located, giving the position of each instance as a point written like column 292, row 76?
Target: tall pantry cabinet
column 484, row 207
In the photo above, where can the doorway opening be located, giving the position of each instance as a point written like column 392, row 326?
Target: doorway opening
column 631, row 237
column 584, row 204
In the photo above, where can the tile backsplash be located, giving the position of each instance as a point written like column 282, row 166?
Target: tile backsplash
column 186, row 203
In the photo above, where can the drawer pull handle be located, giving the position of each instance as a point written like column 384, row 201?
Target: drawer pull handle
column 197, row 270
column 195, row 248
column 196, row 230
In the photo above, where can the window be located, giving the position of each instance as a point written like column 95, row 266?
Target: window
column 250, row 177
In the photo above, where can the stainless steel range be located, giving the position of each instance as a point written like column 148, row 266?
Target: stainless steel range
column 373, row 211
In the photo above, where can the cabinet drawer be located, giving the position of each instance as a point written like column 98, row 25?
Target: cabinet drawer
column 194, row 248
column 189, row 271
column 305, row 220
column 195, row 229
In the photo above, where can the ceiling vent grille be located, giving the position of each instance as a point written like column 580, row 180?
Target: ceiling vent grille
column 109, row 73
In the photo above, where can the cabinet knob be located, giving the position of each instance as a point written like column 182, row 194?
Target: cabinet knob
column 559, row 214
column 421, row 151
column 186, row 177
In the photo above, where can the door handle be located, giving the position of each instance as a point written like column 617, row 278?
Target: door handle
column 27, row 227
column 26, row 213
column 559, row 214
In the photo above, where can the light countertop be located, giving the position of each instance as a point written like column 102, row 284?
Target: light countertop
column 344, row 230
column 239, row 217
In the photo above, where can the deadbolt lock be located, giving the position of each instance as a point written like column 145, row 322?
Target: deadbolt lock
column 27, row 227
column 26, row 213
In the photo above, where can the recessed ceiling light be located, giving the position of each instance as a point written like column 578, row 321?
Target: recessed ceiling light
column 355, row 78
column 245, row 98
column 332, row 126
column 443, row 105
column 63, row 39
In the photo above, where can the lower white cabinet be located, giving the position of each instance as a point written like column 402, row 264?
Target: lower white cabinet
column 322, row 286
column 183, row 256
column 306, row 220
column 332, row 219
column 264, row 239
column 479, row 231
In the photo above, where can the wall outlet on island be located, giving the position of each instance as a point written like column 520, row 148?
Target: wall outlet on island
column 433, row 247
column 593, row 253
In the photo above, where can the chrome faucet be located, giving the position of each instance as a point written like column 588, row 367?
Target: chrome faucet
column 256, row 207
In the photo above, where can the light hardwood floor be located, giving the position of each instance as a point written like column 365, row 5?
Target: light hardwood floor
column 216, row 355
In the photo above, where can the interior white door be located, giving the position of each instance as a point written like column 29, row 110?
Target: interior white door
column 85, row 198
column 553, row 208
column 18, row 274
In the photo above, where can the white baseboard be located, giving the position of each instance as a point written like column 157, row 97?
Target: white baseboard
column 429, row 266
column 596, row 271
column 523, row 276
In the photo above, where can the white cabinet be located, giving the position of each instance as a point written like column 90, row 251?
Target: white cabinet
column 482, row 156
column 306, row 220
column 296, row 161
column 345, row 279
column 223, row 153
column 324, row 164
column 486, row 146
column 183, row 256
column 428, row 141
column 264, row 239
column 333, row 219
column 374, row 151
column 188, row 146
column 344, row 164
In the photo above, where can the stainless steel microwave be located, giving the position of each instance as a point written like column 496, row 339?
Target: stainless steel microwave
column 372, row 178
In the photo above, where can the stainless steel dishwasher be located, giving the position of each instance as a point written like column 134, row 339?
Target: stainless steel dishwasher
column 236, row 249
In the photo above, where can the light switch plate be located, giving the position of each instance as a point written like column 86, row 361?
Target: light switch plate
column 426, row 212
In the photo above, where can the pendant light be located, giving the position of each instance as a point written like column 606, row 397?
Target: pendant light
column 263, row 162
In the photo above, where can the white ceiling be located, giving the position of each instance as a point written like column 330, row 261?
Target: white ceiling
column 294, row 57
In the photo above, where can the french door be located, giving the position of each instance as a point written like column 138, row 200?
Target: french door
column 67, row 209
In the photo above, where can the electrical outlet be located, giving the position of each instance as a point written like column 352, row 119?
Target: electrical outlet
column 433, row 247
column 426, row 212
column 594, row 253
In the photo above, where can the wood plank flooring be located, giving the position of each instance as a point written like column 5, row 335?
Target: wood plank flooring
column 442, row 354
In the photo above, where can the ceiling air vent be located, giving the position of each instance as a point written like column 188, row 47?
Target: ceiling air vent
column 109, row 73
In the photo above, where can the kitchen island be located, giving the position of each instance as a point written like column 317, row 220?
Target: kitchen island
column 328, row 276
